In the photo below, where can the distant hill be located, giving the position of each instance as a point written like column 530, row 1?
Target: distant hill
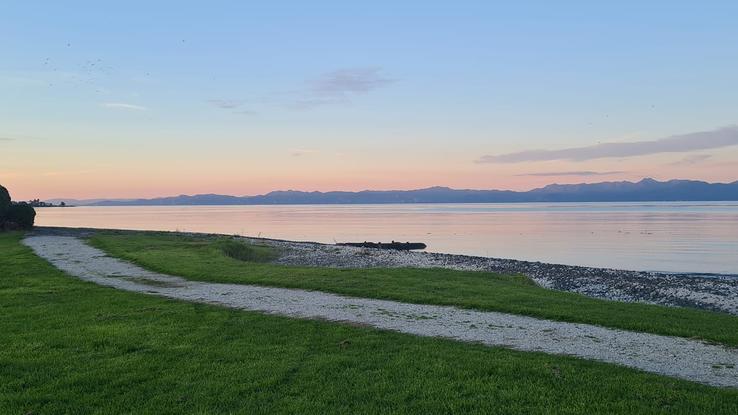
column 644, row 190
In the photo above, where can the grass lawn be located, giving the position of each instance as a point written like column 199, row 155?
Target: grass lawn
column 68, row 346
column 205, row 259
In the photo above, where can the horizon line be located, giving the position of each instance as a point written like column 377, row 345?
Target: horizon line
column 381, row 190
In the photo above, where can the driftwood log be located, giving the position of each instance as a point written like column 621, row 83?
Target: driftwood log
column 400, row 246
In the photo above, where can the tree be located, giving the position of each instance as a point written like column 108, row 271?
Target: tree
column 22, row 214
column 4, row 201
column 15, row 215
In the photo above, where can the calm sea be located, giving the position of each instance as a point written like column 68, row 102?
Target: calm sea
column 697, row 237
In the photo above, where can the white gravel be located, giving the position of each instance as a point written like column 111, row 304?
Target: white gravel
column 708, row 292
column 671, row 356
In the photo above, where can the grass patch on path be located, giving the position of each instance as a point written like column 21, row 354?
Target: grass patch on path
column 202, row 259
column 68, row 346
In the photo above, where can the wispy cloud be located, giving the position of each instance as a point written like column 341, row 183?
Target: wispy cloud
column 721, row 137
column 572, row 173
column 691, row 159
column 122, row 105
column 65, row 173
column 340, row 86
column 310, row 103
column 22, row 81
column 19, row 137
column 226, row 103
column 297, row 152
column 349, row 81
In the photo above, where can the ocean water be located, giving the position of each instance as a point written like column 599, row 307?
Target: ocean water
column 692, row 237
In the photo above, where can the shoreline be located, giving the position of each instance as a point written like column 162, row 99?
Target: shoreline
column 714, row 292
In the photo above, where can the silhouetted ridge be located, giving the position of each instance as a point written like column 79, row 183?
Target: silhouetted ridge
column 645, row 190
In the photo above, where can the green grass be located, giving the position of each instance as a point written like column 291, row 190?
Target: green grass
column 245, row 252
column 200, row 258
column 68, row 346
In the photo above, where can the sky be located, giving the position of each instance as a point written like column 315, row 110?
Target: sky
column 145, row 99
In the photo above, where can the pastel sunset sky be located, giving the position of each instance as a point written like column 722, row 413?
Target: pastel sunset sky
column 143, row 99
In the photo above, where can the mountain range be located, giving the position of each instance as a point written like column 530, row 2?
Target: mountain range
column 624, row 191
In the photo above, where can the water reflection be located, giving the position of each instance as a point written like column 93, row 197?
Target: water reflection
column 681, row 237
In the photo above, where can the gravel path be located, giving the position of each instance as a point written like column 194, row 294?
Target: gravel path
column 672, row 356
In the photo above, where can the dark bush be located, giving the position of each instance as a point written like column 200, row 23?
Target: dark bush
column 20, row 214
column 4, row 201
